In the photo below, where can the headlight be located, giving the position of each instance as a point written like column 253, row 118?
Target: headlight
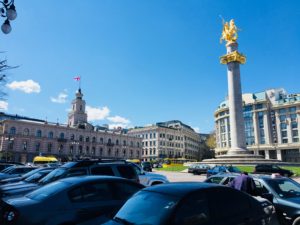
column 10, row 215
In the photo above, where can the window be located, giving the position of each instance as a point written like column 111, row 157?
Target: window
column 124, row 143
column 62, row 136
column 50, row 135
column 117, row 142
column 39, row 133
column 80, row 138
column 292, row 109
column 12, row 131
column 282, row 111
column 127, row 172
column 87, row 139
column 102, row 170
column 101, row 140
column 72, row 137
column 94, row 140
column 49, row 147
column 125, row 190
column 193, row 210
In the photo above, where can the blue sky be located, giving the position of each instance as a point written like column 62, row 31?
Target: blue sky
column 145, row 61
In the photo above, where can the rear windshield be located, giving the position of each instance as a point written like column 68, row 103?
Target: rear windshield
column 54, row 175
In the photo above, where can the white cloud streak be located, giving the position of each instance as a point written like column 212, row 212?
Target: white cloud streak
column 28, row 86
column 3, row 105
column 118, row 119
column 97, row 113
column 61, row 98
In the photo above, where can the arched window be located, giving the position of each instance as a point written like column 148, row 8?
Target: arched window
column 138, row 144
column 50, row 135
column 101, row 140
column 39, row 133
column 26, row 132
column 94, row 139
column 109, row 152
column 37, row 146
column 124, row 143
column 87, row 139
column 80, row 138
column 117, row 142
column 12, row 130
column 93, row 151
column 62, row 136
column 109, row 141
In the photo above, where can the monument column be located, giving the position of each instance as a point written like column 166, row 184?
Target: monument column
column 233, row 59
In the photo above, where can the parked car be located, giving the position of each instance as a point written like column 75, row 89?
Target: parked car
column 22, row 177
column 190, row 203
column 283, row 192
column 80, row 168
column 149, row 179
column 222, row 169
column 70, row 201
column 5, row 165
column 272, row 168
column 15, row 171
column 146, row 166
column 198, row 169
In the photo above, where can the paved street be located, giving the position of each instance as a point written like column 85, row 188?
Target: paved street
column 186, row 177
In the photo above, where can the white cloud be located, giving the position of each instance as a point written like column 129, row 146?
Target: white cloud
column 28, row 86
column 197, row 129
column 61, row 98
column 97, row 113
column 118, row 119
column 3, row 105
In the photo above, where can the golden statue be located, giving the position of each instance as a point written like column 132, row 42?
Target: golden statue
column 229, row 33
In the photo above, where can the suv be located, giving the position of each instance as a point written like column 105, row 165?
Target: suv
column 149, row 179
column 119, row 168
column 271, row 168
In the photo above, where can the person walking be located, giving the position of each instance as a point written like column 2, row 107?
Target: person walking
column 244, row 183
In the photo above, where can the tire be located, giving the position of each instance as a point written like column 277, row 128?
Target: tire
column 296, row 221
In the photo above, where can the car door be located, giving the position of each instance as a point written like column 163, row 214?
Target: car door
column 93, row 199
column 230, row 207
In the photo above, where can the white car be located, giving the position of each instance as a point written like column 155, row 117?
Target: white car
column 149, row 178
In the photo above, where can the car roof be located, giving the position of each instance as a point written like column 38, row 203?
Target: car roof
column 80, row 179
column 181, row 189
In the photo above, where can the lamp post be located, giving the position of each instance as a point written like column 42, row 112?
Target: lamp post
column 9, row 12
column 10, row 141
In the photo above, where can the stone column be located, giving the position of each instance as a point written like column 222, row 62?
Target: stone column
column 278, row 152
column 237, row 126
column 267, row 128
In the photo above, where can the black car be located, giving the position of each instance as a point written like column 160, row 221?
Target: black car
column 70, row 201
column 146, row 166
column 272, row 168
column 79, row 168
column 190, row 204
column 198, row 169
column 282, row 191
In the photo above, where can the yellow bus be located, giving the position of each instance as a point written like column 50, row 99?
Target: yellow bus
column 44, row 159
column 175, row 162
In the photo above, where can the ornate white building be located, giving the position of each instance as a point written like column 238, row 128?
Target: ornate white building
column 271, row 125
column 23, row 138
column 172, row 139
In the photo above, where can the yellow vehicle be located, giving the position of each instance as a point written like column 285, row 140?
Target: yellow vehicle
column 137, row 161
column 44, row 160
column 167, row 162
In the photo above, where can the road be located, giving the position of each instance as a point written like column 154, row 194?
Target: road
column 188, row 177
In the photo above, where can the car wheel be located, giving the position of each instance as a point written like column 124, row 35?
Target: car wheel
column 297, row 221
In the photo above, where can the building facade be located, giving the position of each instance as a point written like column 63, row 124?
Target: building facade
column 171, row 139
column 23, row 138
column 271, row 125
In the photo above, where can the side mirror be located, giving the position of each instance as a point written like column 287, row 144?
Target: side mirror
column 268, row 196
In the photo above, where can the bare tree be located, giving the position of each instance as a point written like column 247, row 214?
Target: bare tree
column 3, row 77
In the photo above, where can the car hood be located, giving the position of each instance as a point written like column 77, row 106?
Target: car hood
column 20, row 201
column 156, row 175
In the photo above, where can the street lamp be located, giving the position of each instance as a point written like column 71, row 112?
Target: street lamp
column 9, row 12
column 10, row 141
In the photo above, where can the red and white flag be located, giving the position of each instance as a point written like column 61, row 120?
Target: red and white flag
column 77, row 78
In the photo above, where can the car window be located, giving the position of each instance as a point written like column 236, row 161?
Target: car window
column 91, row 192
column 76, row 172
column 148, row 207
column 125, row 190
column 102, row 170
column 137, row 169
column 193, row 211
column 285, row 188
column 215, row 180
column 228, row 203
column 228, row 180
column 126, row 172
column 259, row 188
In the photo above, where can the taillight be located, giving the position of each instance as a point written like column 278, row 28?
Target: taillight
column 10, row 215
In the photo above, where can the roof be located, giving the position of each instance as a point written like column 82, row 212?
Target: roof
column 81, row 179
column 180, row 189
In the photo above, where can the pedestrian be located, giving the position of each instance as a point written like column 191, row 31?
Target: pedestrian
column 244, row 183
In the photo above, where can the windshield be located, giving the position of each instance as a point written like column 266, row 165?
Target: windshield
column 8, row 169
column 47, row 191
column 147, row 208
column 30, row 173
column 53, row 176
column 35, row 177
column 285, row 188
